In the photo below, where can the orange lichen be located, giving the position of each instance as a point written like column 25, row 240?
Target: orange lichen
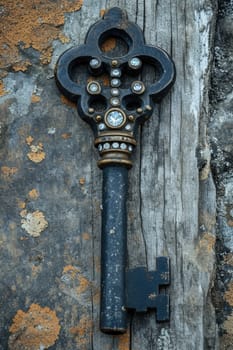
column 229, row 294
column 36, row 155
column 83, row 284
column 35, row 98
column 82, row 181
column 63, row 38
column 32, row 24
column 75, row 274
column 21, row 204
column 67, row 102
column 33, row 194
column 21, row 66
column 124, row 341
column 33, row 223
column 7, row 172
column 38, row 328
column 108, row 45
column 29, row 140
column 82, row 332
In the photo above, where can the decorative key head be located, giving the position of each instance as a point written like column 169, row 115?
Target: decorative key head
column 110, row 92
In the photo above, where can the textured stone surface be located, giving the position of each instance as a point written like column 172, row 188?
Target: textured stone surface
column 51, row 187
column 221, row 136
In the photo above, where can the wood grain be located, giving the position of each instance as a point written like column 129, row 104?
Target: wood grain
column 171, row 211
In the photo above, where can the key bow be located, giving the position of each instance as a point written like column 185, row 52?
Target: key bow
column 110, row 92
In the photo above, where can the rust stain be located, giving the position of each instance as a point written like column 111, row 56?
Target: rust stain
column 228, row 259
column 66, row 135
column 33, row 223
column 35, row 98
column 226, row 342
column 33, row 194
column 207, row 242
column 67, row 102
column 82, row 332
column 124, row 341
column 82, row 181
column 36, row 269
column 229, row 294
column 102, row 12
column 36, row 329
column 2, row 89
column 86, row 236
column 36, row 154
column 31, row 24
column 103, row 79
column 108, row 45
column 228, row 325
column 8, row 172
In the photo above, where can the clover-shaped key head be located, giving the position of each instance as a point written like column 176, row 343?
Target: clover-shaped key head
column 111, row 92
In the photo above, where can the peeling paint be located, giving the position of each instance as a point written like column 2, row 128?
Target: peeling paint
column 31, row 25
column 34, row 330
column 33, row 223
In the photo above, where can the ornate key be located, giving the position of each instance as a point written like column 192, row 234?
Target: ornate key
column 113, row 98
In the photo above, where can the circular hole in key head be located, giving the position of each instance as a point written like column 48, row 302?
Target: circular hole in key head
column 98, row 103
column 115, row 43
column 132, row 102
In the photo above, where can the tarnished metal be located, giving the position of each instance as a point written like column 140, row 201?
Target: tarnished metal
column 114, row 99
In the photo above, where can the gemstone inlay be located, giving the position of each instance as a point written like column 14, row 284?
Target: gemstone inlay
column 115, row 82
column 93, row 88
column 115, row 145
column 100, row 147
column 115, row 118
column 115, row 92
column 101, row 126
column 94, row 63
column 138, row 87
column 116, row 73
column 106, row 145
column 135, row 63
column 123, row 146
column 115, row 101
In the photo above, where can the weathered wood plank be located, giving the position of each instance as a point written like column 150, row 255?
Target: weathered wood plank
column 60, row 268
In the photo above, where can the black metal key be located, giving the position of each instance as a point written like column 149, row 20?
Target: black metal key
column 115, row 109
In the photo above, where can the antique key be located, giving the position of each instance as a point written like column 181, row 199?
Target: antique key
column 113, row 98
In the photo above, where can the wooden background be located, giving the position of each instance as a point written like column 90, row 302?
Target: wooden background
column 51, row 187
